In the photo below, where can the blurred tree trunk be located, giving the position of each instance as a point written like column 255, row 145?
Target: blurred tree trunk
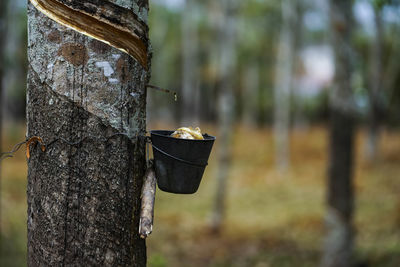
column 3, row 14
column 392, row 67
column 226, row 34
column 283, row 84
column 299, row 118
column 375, row 88
column 190, row 75
column 339, row 238
column 84, row 199
column 251, row 88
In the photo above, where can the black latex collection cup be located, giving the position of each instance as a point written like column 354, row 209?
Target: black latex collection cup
column 179, row 163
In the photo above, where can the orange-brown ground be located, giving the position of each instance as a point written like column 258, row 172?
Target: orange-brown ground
column 272, row 218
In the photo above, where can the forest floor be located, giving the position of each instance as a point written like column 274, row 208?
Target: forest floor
column 272, row 218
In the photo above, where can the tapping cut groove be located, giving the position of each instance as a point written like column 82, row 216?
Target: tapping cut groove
column 102, row 20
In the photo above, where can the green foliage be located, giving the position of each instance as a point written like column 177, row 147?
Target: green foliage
column 258, row 27
column 379, row 4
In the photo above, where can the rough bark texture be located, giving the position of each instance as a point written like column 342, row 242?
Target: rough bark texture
column 84, row 199
column 226, row 64
column 339, row 239
column 102, row 20
column 283, row 84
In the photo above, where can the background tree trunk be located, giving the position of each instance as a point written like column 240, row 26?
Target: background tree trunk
column 190, row 74
column 84, row 199
column 226, row 63
column 3, row 30
column 3, row 13
column 251, row 88
column 283, row 84
column 298, row 119
column 375, row 88
column 339, row 239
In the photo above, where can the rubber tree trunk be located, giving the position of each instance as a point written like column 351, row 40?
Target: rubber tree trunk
column 283, row 83
column 3, row 13
column 251, row 88
column 226, row 67
column 190, row 75
column 375, row 88
column 340, row 196
column 297, row 106
column 84, row 198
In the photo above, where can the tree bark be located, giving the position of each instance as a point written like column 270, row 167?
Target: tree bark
column 84, row 198
column 339, row 238
column 375, row 88
column 283, row 84
column 226, row 63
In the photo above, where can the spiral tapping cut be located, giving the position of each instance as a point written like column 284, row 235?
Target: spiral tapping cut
column 97, row 20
